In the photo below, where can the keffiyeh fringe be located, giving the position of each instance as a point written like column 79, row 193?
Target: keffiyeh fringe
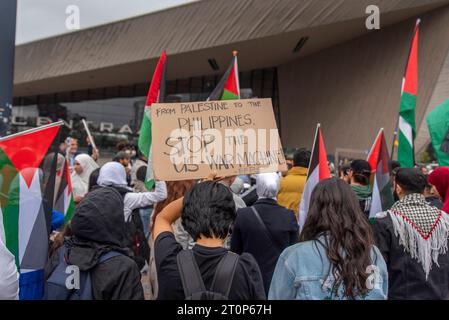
column 425, row 251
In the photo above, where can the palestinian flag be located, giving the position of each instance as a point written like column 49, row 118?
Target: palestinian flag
column 229, row 87
column 407, row 127
column 156, row 94
column 28, row 163
column 64, row 203
column 378, row 157
column 318, row 170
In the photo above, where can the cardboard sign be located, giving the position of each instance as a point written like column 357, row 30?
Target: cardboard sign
column 232, row 137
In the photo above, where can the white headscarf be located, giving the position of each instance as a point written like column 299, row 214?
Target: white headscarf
column 268, row 185
column 112, row 174
column 80, row 182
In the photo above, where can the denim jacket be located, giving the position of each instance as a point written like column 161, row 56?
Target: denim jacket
column 302, row 274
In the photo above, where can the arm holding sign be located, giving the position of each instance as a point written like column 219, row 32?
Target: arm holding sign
column 135, row 200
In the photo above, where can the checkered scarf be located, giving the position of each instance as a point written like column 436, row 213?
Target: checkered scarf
column 423, row 230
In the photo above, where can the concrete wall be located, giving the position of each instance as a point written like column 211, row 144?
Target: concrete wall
column 354, row 88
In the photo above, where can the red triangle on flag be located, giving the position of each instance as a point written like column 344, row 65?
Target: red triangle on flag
column 231, row 82
column 373, row 155
column 411, row 73
column 154, row 90
column 26, row 151
column 324, row 167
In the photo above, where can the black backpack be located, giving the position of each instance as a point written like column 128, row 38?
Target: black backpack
column 136, row 240
column 56, row 287
column 192, row 281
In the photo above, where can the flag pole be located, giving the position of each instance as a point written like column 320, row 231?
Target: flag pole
column 396, row 132
column 234, row 53
column 54, row 124
column 88, row 134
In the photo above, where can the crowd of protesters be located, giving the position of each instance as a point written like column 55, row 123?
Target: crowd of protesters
column 238, row 237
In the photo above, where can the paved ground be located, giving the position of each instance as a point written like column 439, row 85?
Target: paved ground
column 146, row 286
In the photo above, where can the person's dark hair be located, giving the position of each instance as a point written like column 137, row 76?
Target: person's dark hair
column 141, row 173
column 344, row 169
column 122, row 145
column 335, row 210
column 209, row 210
column 301, row 158
column 120, row 156
column 93, row 178
column 393, row 165
column 411, row 180
column 361, row 171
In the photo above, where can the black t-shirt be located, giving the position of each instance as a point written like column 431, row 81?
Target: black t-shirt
column 246, row 285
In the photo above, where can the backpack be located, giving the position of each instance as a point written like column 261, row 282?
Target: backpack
column 136, row 240
column 55, row 285
column 192, row 281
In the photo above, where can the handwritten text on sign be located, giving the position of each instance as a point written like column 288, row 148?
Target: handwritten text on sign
column 231, row 137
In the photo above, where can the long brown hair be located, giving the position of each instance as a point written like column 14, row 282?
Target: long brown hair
column 175, row 190
column 335, row 211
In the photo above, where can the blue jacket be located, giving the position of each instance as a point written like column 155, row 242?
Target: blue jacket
column 302, row 269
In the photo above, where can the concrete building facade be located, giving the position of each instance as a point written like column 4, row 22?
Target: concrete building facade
column 315, row 58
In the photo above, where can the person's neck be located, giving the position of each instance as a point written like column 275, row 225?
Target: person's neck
column 210, row 242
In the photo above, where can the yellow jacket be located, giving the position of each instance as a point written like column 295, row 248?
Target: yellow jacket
column 292, row 186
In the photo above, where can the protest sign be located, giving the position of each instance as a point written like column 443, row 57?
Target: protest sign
column 232, row 137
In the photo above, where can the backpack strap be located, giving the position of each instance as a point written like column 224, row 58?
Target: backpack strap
column 265, row 229
column 108, row 255
column 224, row 274
column 192, row 282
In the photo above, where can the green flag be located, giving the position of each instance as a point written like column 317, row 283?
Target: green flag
column 438, row 123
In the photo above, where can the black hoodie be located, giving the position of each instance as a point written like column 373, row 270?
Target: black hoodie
column 98, row 226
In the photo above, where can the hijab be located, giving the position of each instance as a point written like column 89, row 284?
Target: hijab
column 268, row 185
column 80, row 182
column 440, row 179
column 112, row 174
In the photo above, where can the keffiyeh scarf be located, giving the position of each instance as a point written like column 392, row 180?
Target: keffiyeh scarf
column 423, row 230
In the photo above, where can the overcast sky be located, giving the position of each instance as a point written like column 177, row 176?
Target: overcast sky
column 37, row 19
